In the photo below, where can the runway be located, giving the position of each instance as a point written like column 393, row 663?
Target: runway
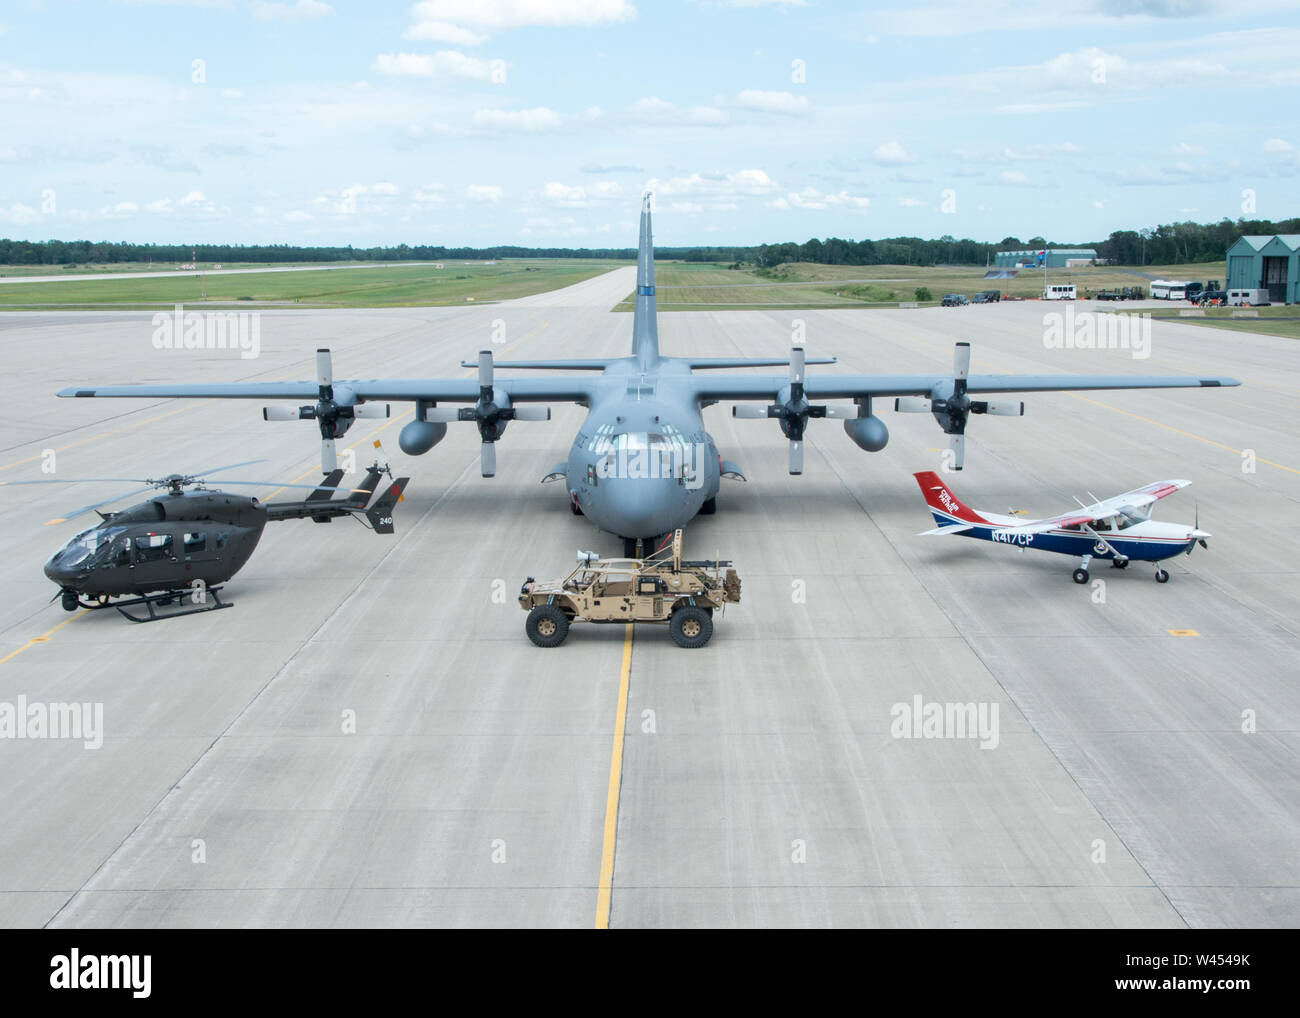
column 368, row 738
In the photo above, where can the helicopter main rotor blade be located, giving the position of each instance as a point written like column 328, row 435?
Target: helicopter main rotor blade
column 228, row 466
column 88, row 508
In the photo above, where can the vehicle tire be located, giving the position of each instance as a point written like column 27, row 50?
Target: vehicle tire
column 710, row 506
column 1081, row 576
column 690, row 627
column 1162, row 576
column 1119, row 563
column 547, row 625
column 69, row 601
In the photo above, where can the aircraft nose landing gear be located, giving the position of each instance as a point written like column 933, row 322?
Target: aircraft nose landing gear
column 1162, row 576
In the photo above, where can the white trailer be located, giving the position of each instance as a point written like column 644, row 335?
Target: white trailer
column 1060, row 292
column 1247, row 298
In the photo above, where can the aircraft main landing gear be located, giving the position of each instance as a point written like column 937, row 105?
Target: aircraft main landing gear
column 1081, row 574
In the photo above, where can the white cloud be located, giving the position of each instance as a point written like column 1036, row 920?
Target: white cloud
column 1277, row 145
column 303, row 10
column 537, row 119
column 163, row 206
column 1014, row 177
column 909, row 203
column 724, row 185
column 891, row 153
column 481, row 17
column 771, row 102
column 443, row 64
column 812, row 198
column 122, row 208
column 1184, row 149
column 654, row 110
column 483, row 192
column 580, row 195
column 297, row 216
column 231, row 93
column 19, row 213
column 441, row 31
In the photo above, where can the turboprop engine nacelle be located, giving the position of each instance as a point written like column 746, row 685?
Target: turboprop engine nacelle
column 419, row 437
column 868, row 433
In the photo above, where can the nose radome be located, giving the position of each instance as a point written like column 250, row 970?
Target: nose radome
column 640, row 507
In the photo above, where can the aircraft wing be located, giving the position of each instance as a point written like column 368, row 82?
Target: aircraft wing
column 560, row 388
column 828, row 386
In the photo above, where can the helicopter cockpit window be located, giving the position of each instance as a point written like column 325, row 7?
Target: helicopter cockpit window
column 153, row 547
column 195, row 542
column 88, row 543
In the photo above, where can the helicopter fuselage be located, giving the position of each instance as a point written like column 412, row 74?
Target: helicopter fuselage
column 171, row 542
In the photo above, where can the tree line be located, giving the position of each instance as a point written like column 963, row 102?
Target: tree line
column 1173, row 243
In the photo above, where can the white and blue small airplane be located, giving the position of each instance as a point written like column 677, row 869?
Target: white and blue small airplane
column 1119, row 529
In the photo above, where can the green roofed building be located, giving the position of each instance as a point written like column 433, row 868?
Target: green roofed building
column 1056, row 257
column 1266, row 263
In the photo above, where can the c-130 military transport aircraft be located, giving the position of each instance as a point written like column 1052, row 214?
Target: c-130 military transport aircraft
column 643, row 463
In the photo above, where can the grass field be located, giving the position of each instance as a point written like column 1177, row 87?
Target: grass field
column 1276, row 320
column 115, row 268
column 686, row 286
column 387, row 286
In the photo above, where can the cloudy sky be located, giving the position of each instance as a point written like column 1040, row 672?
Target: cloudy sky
column 541, row 121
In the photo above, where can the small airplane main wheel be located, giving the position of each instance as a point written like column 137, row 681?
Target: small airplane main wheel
column 1081, row 576
column 690, row 627
column 1162, row 576
column 547, row 625
column 1119, row 563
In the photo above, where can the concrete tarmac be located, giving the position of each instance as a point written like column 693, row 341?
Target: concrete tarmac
column 369, row 739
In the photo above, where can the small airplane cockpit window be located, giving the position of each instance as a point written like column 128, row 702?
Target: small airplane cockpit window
column 195, row 542
column 153, row 547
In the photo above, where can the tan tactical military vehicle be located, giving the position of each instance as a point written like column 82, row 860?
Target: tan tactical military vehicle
column 661, row 588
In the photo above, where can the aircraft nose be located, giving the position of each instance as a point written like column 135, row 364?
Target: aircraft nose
column 640, row 507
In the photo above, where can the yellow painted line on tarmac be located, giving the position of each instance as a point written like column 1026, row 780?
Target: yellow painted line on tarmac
column 1179, row 431
column 605, row 889
column 43, row 638
column 1182, row 632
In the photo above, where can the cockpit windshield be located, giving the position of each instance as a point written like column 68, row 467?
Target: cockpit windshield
column 89, row 544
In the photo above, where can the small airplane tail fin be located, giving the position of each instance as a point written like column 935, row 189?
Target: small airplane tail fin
column 944, row 505
column 380, row 514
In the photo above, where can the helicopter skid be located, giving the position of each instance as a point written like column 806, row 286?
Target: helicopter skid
column 165, row 597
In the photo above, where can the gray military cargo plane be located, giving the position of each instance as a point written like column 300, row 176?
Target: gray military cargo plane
column 643, row 463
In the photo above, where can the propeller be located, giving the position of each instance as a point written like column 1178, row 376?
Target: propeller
column 794, row 413
column 490, row 416
column 334, row 411
column 952, row 406
column 1197, row 532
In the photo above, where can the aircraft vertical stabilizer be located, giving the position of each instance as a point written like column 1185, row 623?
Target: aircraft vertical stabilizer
column 645, row 326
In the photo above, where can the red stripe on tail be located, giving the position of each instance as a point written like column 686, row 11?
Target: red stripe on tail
column 937, row 496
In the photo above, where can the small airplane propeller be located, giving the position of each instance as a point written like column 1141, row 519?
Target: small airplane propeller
column 795, row 412
column 335, row 411
column 490, row 416
column 952, row 406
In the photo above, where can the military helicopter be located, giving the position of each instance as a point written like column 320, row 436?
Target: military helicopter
column 187, row 543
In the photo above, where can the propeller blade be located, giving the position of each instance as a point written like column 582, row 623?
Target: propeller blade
column 281, row 413
column 324, row 368
column 532, row 413
column 839, row 412
column 485, row 369
column 913, row 405
column 329, row 460
column 796, row 364
column 748, row 411
column 961, row 361
column 488, row 459
column 957, row 443
column 446, row 414
column 1006, row 409
column 372, row 411
column 796, row 457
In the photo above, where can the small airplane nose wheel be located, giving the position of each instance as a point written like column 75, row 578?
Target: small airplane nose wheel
column 1161, row 575
column 1081, row 576
column 69, row 601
